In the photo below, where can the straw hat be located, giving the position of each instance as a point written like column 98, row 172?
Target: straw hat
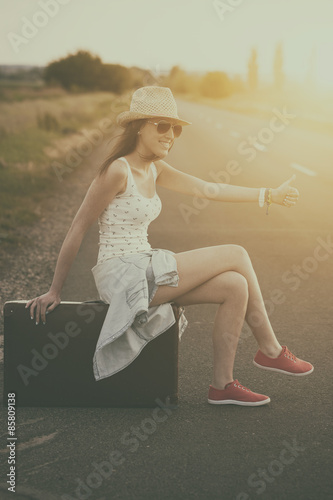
column 151, row 101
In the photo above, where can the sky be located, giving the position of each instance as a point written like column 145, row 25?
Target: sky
column 197, row 35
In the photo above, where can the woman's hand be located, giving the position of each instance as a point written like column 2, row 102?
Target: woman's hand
column 285, row 194
column 43, row 305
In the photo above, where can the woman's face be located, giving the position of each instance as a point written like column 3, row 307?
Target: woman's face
column 154, row 142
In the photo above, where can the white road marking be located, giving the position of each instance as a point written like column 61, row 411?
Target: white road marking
column 38, row 467
column 35, row 441
column 29, row 421
column 304, row 170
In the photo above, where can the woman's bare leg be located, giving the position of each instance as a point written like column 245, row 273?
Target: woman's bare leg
column 230, row 291
column 195, row 267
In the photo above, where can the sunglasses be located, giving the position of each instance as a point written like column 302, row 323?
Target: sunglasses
column 163, row 126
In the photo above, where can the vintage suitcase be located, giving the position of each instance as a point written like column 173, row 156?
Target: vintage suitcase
column 62, row 375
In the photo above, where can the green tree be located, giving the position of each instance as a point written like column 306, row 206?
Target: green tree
column 253, row 70
column 178, row 80
column 115, row 78
column 310, row 79
column 278, row 67
column 83, row 71
column 216, row 84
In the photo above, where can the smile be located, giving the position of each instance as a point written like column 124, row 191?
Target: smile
column 165, row 145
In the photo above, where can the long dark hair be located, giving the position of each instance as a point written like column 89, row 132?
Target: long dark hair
column 126, row 144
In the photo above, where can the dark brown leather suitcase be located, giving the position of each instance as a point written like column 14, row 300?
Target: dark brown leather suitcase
column 61, row 374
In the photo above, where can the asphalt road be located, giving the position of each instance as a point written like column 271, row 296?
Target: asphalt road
column 281, row 451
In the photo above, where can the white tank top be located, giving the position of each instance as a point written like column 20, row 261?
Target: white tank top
column 124, row 222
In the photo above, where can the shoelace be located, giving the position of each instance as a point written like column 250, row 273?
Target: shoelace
column 242, row 387
column 290, row 355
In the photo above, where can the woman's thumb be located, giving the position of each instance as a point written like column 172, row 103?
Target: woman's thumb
column 291, row 179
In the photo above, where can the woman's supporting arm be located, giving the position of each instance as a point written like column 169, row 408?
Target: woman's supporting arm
column 66, row 257
column 100, row 193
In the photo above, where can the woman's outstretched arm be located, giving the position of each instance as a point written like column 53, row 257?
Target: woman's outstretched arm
column 100, row 193
column 171, row 178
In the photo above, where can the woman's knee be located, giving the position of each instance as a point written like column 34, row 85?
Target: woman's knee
column 240, row 257
column 240, row 252
column 237, row 287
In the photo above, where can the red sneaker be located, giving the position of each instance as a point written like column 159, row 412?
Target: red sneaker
column 286, row 362
column 235, row 394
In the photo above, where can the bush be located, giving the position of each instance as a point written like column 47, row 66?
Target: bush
column 216, row 84
column 47, row 121
column 82, row 71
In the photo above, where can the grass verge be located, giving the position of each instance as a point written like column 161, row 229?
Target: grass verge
column 33, row 133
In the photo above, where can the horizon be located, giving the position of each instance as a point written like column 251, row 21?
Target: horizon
column 303, row 28
column 206, row 30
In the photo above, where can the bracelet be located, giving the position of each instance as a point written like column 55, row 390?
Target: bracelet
column 262, row 197
column 268, row 198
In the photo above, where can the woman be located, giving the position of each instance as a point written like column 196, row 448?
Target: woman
column 124, row 188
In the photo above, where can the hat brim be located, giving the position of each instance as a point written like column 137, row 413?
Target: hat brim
column 129, row 116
